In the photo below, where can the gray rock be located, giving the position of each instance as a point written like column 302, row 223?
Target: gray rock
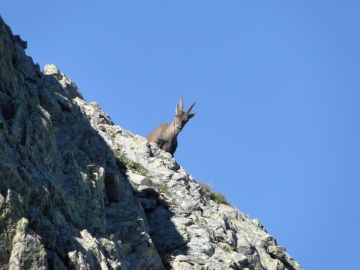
column 138, row 179
column 68, row 86
column 147, row 203
column 64, row 103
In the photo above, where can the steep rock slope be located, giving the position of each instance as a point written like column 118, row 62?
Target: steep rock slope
column 78, row 192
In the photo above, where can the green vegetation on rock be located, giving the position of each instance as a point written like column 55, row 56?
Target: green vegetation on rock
column 124, row 162
column 215, row 196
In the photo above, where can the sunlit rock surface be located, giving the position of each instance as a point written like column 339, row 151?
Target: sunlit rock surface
column 78, row 192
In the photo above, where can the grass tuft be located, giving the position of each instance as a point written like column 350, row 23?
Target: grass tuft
column 215, row 196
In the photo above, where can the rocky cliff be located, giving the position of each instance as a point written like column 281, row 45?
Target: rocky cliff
column 79, row 192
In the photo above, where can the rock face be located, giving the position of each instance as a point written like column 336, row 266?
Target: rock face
column 78, row 192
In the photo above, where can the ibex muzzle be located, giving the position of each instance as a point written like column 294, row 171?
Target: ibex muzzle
column 165, row 136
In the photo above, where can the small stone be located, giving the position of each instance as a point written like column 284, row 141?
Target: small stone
column 138, row 179
column 276, row 251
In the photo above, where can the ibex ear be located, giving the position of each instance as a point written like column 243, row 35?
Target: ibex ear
column 191, row 115
column 176, row 110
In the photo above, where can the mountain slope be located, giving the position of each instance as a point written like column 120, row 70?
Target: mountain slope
column 78, row 192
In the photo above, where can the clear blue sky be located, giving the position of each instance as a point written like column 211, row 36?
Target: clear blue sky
column 277, row 91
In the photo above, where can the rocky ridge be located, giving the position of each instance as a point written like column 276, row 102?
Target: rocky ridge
column 79, row 192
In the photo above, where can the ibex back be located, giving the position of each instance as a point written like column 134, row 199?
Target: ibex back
column 165, row 136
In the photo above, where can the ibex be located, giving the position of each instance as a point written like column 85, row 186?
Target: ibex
column 165, row 136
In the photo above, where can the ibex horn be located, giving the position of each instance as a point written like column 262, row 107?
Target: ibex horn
column 181, row 104
column 189, row 110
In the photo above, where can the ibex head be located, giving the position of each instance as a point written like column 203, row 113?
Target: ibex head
column 181, row 118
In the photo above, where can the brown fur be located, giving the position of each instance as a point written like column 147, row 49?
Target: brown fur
column 165, row 136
